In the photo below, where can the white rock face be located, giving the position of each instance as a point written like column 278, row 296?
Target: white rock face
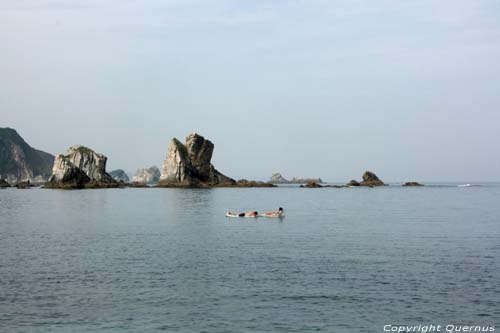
column 66, row 172
column 90, row 162
column 147, row 176
column 177, row 167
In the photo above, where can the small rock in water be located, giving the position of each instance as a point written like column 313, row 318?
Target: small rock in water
column 412, row 184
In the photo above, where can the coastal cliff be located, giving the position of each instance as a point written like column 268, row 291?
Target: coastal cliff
column 80, row 167
column 19, row 162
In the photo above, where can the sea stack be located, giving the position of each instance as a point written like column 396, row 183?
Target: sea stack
column 80, row 167
column 189, row 165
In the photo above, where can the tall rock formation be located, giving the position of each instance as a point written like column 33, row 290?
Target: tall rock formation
column 190, row 165
column 80, row 167
column 147, row 176
column 20, row 162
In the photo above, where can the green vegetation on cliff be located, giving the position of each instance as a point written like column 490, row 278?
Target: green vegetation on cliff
column 18, row 159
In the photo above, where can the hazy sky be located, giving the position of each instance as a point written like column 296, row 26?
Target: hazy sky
column 409, row 89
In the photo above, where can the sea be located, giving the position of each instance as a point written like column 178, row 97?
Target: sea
column 341, row 260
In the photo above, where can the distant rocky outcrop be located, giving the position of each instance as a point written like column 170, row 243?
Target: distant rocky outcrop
column 312, row 185
column 80, row 167
column 20, row 162
column 412, row 184
column 147, row 176
column 277, row 178
column 119, row 175
column 189, row 165
column 4, row 183
column 369, row 179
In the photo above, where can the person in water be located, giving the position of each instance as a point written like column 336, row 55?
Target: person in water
column 249, row 214
column 278, row 213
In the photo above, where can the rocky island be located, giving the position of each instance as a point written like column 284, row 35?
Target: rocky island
column 189, row 165
column 80, row 167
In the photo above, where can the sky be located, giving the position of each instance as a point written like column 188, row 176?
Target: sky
column 407, row 89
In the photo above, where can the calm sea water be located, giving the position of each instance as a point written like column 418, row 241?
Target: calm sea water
column 342, row 260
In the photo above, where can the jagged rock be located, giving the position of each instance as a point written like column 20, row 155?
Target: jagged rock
column 20, row 162
column 353, row 183
column 4, row 183
column 189, row 165
column 311, row 185
column 177, row 167
column 90, row 162
column 200, row 153
column 412, row 184
column 277, row 178
column 119, row 175
column 147, row 176
column 80, row 167
column 371, row 179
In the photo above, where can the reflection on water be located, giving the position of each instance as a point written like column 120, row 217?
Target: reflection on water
column 348, row 260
